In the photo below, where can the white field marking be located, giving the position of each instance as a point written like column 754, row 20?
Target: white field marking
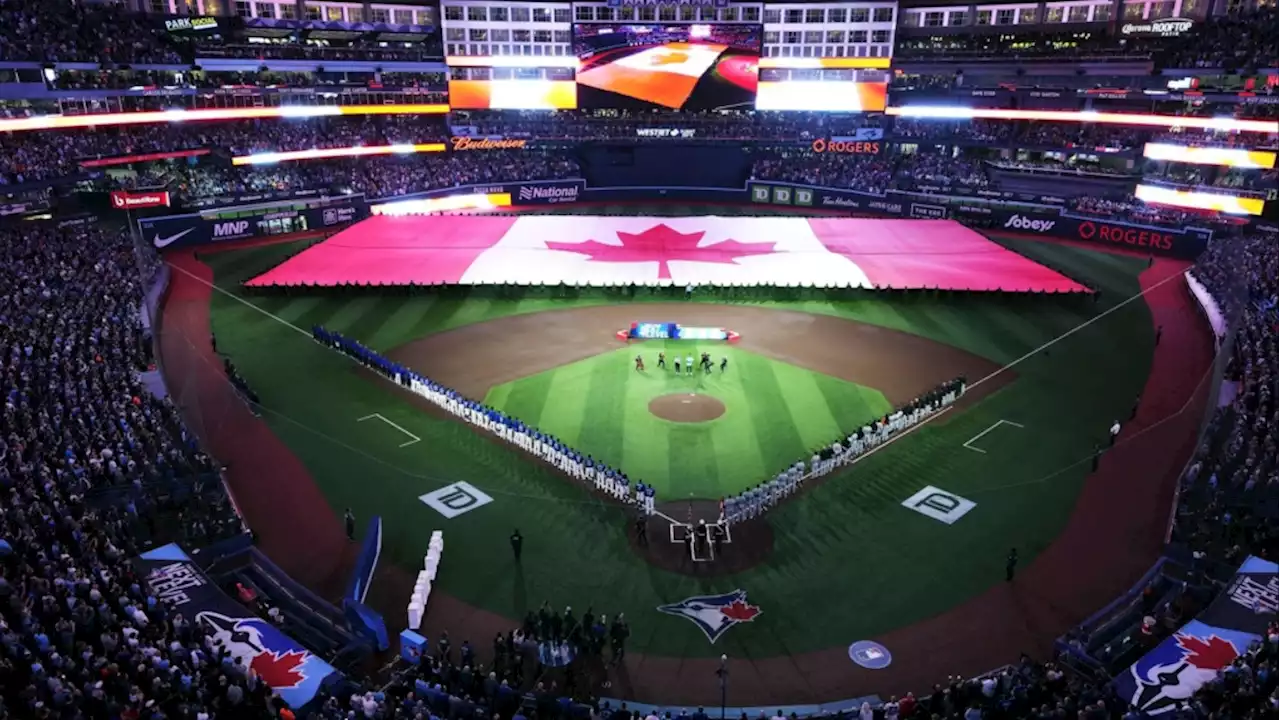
column 998, row 423
column 406, row 432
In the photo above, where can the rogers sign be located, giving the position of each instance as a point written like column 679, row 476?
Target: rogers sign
column 1118, row 235
column 846, row 147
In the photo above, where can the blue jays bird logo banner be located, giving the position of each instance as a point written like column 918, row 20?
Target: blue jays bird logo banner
column 1171, row 673
column 289, row 669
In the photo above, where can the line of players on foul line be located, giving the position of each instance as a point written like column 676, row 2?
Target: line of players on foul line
column 750, row 503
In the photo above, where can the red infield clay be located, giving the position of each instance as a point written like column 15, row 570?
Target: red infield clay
column 1118, row 527
column 552, row 249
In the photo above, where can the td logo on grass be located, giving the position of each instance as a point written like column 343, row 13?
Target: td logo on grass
column 455, row 499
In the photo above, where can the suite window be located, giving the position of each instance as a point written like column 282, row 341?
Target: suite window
column 880, row 36
column 706, row 14
column 1102, row 13
column 288, row 12
column 541, row 15
column 835, row 36
column 813, row 38
column 1053, row 15
column 688, row 13
column 1160, row 10
column 859, row 15
column 562, row 36
column 478, row 35
column 498, row 14
column 931, row 19
column 794, row 17
column 1027, row 16
column 1133, row 11
column 1190, row 6
column 356, row 14
column 1004, row 17
column 836, row 15
column 500, row 35
column 984, row 17
column 791, row 37
column 814, row 16
column 402, row 17
column 884, row 15
column 646, row 14
column 521, row 36
column 959, row 19
column 243, row 9
column 561, row 15
column 772, row 17
column 667, row 13
column 455, row 35
column 583, row 13
column 911, row 19
column 333, row 14
column 520, row 14
column 771, row 37
column 750, row 14
column 451, row 12
column 313, row 12
column 858, row 36
column 475, row 13
column 542, row 36
column 1078, row 13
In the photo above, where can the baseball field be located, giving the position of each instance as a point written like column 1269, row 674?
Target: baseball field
column 842, row 562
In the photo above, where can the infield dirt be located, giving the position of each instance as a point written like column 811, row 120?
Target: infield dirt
column 474, row 358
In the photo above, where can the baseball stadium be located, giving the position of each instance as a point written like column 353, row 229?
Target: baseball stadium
column 617, row 361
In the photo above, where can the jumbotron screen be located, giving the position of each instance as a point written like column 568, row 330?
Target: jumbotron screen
column 678, row 67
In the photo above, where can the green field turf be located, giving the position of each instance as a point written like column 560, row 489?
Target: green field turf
column 775, row 413
column 849, row 561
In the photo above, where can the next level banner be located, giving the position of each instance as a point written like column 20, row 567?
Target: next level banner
column 289, row 669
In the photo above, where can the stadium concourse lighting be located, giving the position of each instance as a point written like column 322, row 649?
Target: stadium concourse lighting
column 943, row 112
column 323, row 153
column 69, row 122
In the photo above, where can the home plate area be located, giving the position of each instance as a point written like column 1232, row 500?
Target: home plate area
column 710, row 250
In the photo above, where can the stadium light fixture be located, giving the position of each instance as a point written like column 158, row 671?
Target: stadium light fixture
column 324, row 153
column 71, row 122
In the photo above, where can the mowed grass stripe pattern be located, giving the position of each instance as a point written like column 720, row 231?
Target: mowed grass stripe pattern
column 775, row 414
column 849, row 561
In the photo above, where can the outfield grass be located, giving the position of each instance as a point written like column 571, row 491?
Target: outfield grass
column 774, row 414
column 849, row 561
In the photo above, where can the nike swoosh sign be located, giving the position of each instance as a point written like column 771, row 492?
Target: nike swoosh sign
column 167, row 241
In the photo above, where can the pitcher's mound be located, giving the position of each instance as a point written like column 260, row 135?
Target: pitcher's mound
column 686, row 407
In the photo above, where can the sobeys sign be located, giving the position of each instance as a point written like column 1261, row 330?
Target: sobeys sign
column 484, row 143
column 1169, row 27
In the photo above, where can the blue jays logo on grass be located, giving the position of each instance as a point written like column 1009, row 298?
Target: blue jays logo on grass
column 286, row 667
column 714, row 614
column 1175, row 669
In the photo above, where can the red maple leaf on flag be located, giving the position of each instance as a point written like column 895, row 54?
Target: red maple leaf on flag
column 279, row 671
column 664, row 244
column 668, row 58
column 740, row 611
column 1213, row 653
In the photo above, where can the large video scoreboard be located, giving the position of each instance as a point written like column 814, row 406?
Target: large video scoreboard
column 695, row 55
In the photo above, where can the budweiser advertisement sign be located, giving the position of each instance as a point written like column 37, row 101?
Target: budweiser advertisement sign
column 122, row 200
column 486, row 143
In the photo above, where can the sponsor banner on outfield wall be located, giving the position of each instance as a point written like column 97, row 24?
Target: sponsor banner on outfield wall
column 547, row 192
column 250, row 642
column 1183, row 243
column 242, row 223
column 828, row 198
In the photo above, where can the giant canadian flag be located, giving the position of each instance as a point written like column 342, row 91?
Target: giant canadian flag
column 553, row 249
column 664, row 75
